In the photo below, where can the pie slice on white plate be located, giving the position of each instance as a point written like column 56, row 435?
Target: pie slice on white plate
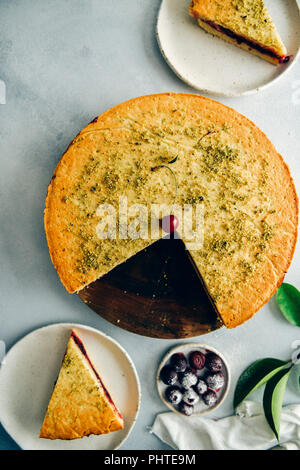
column 245, row 23
column 80, row 404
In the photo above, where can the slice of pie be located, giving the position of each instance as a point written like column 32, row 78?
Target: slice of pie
column 80, row 404
column 160, row 148
column 245, row 23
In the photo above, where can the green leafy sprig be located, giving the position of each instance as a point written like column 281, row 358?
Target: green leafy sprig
column 288, row 300
column 255, row 376
column 273, row 373
column 273, row 398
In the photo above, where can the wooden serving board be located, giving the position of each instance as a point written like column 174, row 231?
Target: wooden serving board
column 157, row 293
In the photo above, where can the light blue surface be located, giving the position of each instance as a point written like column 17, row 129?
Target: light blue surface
column 65, row 62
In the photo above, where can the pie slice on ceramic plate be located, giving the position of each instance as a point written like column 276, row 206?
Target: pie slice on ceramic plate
column 80, row 404
column 245, row 23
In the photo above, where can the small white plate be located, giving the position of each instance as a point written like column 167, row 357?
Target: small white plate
column 211, row 65
column 186, row 348
column 28, row 374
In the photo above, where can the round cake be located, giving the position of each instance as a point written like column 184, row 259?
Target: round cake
column 176, row 151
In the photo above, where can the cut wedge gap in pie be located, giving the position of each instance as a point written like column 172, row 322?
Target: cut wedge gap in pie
column 244, row 23
column 154, row 293
column 80, row 404
column 221, row 161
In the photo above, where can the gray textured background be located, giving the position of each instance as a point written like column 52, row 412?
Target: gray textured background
column 63, row 63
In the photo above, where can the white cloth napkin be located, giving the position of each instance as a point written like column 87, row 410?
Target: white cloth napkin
column 247, row 430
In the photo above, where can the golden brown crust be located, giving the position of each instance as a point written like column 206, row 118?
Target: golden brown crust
column 79, row 405
column 250, row 202
column 246, row 18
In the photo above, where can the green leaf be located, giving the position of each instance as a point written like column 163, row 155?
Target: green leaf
column 255, row 376
column 273, row 399
column 288, row 299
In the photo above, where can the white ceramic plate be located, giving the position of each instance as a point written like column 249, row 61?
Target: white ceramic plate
column 28, row 374
column 211, row 65
column 186, row 349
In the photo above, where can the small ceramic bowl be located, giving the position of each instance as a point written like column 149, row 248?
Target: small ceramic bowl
column 200, row 408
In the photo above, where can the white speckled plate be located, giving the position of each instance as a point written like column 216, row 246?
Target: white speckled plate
column 30, row 369
column 211, row 65
column 186, row 349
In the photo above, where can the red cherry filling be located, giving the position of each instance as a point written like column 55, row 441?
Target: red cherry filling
column 285, row 59
column 169, row 223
